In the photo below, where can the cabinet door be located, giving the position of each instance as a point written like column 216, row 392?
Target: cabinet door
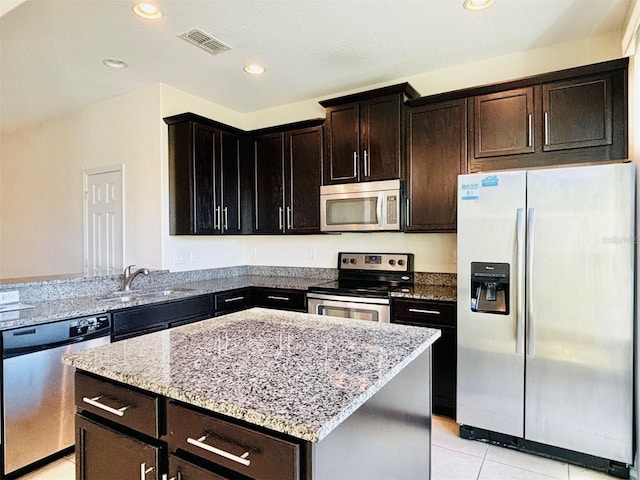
column 302, row 174
column 343, row 144
column 503, row 123
column 229, row 182
column 268, row 168
column 204, row 174
column 102, row 453
column 180, row 469
column 577, row 113
column 437, row 151
column 380, row 133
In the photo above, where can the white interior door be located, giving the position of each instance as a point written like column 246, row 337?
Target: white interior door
column 103, row 221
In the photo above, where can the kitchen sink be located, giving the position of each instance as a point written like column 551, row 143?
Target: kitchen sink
column 131, row 295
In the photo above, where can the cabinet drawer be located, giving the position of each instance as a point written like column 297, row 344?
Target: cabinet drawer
column 280, row 298
column 232, row 300
column 237, row 448
column 118, row 403
column 424, row 312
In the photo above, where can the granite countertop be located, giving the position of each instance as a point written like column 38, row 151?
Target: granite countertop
column 52, row 310
column 429, row 292
column 294, row 373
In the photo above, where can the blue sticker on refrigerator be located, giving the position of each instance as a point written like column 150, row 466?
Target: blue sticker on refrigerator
column 470, row 191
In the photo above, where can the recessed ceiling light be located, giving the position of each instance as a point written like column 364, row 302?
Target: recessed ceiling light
column 114, row 63
column 254, row 69
column 476, row 4
column 147, row 10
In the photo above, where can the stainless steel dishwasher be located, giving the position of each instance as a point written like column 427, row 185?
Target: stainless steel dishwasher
column 38, row 392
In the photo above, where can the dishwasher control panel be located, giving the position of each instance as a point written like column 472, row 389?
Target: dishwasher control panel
column 83, row 326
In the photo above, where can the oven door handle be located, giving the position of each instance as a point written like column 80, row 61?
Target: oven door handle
column 342, row 298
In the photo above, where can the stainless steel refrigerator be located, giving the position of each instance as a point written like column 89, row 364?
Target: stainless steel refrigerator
column 546, row 306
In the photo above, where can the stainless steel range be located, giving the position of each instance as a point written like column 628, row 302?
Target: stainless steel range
column 363, row 286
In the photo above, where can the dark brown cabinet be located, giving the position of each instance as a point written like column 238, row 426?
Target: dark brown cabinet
column 232, row 301
column 503, row 123
column 572, row 116
column 280, row 298
column 117, row 431
column 205, row 169
column 365, row 135
column 287, row 168
column 577, row 113
column 440, row 315
column 436, row 155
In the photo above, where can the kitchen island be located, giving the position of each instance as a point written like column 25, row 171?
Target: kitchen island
column 259, row 394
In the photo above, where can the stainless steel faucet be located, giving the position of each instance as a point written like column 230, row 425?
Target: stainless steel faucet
column 128, row 276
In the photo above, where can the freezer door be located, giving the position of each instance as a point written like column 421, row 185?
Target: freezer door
column 579, row 358
column 490, row 380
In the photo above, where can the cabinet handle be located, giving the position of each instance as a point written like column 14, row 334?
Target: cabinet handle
column 367, row 167
column 273, row 297
column 428, row 312
column 408, row 212
column 216, row 226
column 289, row 218
column 115, row 411
column 234, row 299
column 226, row 219
column 546, row 128
column 242, row 459
column 355, row 164
column 144, row 470
column 280, row 222
column 530, row 140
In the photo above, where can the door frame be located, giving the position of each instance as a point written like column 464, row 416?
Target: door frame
column 86, row 172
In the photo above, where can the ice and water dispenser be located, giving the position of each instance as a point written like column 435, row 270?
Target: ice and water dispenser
column 490, row 287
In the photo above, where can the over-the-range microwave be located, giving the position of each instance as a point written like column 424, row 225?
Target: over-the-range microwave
column 361, row 207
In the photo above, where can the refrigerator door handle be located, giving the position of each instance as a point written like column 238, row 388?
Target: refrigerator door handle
column 531, row 333
column 520, row 280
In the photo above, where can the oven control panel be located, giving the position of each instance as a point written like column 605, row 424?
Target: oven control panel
column 389, row 262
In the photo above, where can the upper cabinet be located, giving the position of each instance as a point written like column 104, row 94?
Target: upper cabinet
column 365, row 135
column 571, row 116
column 205, row 170
column 287, row 166
column 436, row 155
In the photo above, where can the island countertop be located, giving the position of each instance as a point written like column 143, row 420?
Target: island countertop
column 293, row 373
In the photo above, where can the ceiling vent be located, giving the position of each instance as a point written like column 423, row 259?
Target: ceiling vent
column 205, row 41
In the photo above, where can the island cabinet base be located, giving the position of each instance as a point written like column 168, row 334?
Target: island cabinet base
column 125, row 432
column 389, row 437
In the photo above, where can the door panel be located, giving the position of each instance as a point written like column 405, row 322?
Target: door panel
column 380, row 133
column 269, row 209
column 204, row 140
column 490, row 382
column 343, row 142
column 103, row 224
column 230, row 183
column 580, row 365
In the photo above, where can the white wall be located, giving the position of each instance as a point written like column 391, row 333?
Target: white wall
column 41, row 176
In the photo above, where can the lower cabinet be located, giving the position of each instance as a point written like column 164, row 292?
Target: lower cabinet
column 231, row 450
column 232, row 301
column 440, row 315
column 280, row 298
column 136, row 321
column 106, row 453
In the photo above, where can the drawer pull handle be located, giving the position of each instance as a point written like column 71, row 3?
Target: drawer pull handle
column 273, row 297
column 242, row 459
column 420, row 310
column 234, row 299
column 144, row 470
column 115, row 411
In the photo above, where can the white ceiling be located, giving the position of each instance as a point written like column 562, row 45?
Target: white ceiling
column 51, row 51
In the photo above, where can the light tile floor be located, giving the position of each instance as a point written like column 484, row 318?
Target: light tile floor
column 453, row 458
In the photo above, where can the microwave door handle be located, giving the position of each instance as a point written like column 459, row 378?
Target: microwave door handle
column 380, row 209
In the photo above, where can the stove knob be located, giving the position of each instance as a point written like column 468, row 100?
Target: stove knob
column 400, row 262
column 345, row 260
column 392, row 262
column 353, row 260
